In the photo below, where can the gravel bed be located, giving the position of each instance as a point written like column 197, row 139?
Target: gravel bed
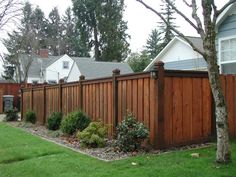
column 108, row 153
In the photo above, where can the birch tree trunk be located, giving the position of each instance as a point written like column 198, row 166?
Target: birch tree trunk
column 223, row 154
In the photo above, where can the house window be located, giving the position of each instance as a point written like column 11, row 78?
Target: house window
column 65, row 65
column 34, row 82
column 52, row 81
column 228, row 56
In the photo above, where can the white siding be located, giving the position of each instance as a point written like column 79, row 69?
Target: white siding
column 31, row 79
column 74, row 73
column 55, row 71
column 179, row 51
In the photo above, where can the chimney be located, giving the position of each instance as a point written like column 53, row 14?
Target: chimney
column 43, row 53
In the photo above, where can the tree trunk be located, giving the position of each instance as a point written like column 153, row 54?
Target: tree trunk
column 223, row 154
column 96, row 44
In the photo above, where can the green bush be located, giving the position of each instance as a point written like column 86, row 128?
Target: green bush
column 11, row 115
column 73, row 122
column 54, row 121
column 30, row 116
column 94, row 135
column 130, row 134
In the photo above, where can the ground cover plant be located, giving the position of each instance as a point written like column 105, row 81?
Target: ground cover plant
column 130, row 134
column 54, row 121
column 30, row 116
column 94, row 135
column 22, row 154
column 74, row 121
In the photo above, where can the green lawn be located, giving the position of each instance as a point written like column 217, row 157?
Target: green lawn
column 23, row 155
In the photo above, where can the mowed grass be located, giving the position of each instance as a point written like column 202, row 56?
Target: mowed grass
column 25, row 155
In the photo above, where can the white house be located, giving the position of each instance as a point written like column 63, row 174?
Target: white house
column 179, row 55
column 50, row 69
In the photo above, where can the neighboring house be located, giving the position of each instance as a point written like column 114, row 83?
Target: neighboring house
column 44, row 68
column 226, row 40
column 179, row 55
column 95, row 69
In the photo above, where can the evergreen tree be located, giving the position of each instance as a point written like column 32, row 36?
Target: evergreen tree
column 54, row 33
column 154, row 44
column 139, row 61
column 101, row 26
column 165, row 30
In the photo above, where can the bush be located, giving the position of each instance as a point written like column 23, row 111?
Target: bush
column 74, row 121
column 30, row 116
column 94, row 135
column 130, row 134
column 11, row 115
column 54, row 121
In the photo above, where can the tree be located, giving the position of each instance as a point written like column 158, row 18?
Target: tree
column 168, row 13
column 154, row 44
column 138, row 61
column 54, row 33
column 102, row 28
column 10, row 10
column 206, row 29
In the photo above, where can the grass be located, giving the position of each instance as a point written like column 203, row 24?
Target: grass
column 25, row 155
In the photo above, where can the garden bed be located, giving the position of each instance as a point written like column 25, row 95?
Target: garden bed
column 108, row 153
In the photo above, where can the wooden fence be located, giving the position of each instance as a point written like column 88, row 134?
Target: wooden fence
column 176, row 106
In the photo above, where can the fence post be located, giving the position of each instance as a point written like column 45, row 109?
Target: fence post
column 160, row 105
column 21, row 102
column 61, row 81
column 115, row 72
column 44, row 102
column 81, row 79
column 31, row 100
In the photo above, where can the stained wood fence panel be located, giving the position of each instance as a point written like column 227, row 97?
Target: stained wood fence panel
column 177, row 106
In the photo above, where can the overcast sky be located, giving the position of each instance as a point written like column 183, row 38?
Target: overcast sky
column 140, row 20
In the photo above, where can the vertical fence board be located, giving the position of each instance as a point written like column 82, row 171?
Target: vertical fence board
column 197, row 108
column 168, row 111
column 187, row 108
column 177, row 110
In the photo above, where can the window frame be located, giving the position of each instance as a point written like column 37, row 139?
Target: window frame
column 220, row 52
column 63, row 64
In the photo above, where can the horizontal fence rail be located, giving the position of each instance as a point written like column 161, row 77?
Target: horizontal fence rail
column 176, row 106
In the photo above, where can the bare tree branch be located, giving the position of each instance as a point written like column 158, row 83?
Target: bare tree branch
column 197, row 19
column 182, row 15
column 187, row 4
column 224, row 7
column 172, row 28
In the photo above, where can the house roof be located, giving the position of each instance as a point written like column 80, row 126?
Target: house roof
column 37, row 63
column 224, row 14
column 197, row 41
column 94, row 69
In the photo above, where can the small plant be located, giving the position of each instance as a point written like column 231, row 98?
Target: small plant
column 73, row 122
column 11, row 115
column 54, row 121
column 94, row 135
column 30, row 116
column 130, row 134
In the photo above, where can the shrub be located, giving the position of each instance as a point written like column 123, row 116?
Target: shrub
column 30, row 116
column 54, row 121
column 11, row 115
column 130, row 134
column 94, row 135
column 74, row 121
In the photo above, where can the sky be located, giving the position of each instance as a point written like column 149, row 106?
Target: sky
column 140, row 20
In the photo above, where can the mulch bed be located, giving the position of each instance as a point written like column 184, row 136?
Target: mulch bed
column 108, row 153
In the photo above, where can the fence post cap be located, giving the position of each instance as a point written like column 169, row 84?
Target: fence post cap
column 116, row 71
column 82, row 77
column 159, row 64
